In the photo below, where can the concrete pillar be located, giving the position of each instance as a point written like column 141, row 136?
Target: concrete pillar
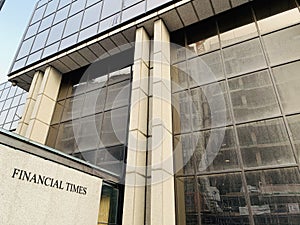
column 135, row 178
column 30, row 102
column 41, row 115
column 162, row 178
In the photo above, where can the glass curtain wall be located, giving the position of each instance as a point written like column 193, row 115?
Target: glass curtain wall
column 12, row 102
column 59, row 24
column 91, row 117
column 253, row 54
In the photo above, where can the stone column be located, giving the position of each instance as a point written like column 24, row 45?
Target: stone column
column 41, row 115
column 162, row 179
column 30, row 102
column 135, row 178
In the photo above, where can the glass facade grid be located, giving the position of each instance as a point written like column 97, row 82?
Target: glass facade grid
column 99, row 15
column 91, row 119
column 239, row 185
column 12, row 102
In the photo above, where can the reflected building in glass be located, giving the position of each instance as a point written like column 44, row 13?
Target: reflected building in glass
column 188, row 110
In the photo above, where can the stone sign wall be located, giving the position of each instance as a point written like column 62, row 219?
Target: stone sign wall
column 35, row 191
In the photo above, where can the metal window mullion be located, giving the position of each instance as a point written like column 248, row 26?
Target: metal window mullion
column 271, row 75
column 238, row 148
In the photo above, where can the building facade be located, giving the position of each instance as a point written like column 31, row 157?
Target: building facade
column 188, row 110
column 12, row 102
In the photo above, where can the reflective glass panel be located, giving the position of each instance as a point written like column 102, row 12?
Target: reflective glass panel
column 73, row 24
column 181, row 102
column 109, row 22
column 40, row 41
column 88, row 136
column 204, row 41
column 25, row 48
column 274, row 196
column 111, row 7
column 61, row 14
column 63, row 3
column 3, row 115
column 67, row 132
column 133, row 11
column 77, row 6
column 187, row 187
column 222, row 199
column 179, row 77
column 210, row 106
column 72, row 108
column 91, row 2
column 67, row 42
column 244, row 57
column 19, row 64
column 94, row 102
column 288, row 82
column 38, row 14
column 11, row 114
column 114, row 128
column 239, row 34
column 155, row 3
column 91, row 15
column 34, row 57
column 117, row 95
column 46, row 22
column 265, row 143
column 183, row 154
column 55, row 33
column 215, row 150
column 50, row 50
column 119, row 75
column 236, row 26
column 128, row 3
column 253, row 97
column 283, row 46
column 88, row 32
column 279, row 15
column 51, row 7
column 205, row 69
column 294, row 125
column 32, row 30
